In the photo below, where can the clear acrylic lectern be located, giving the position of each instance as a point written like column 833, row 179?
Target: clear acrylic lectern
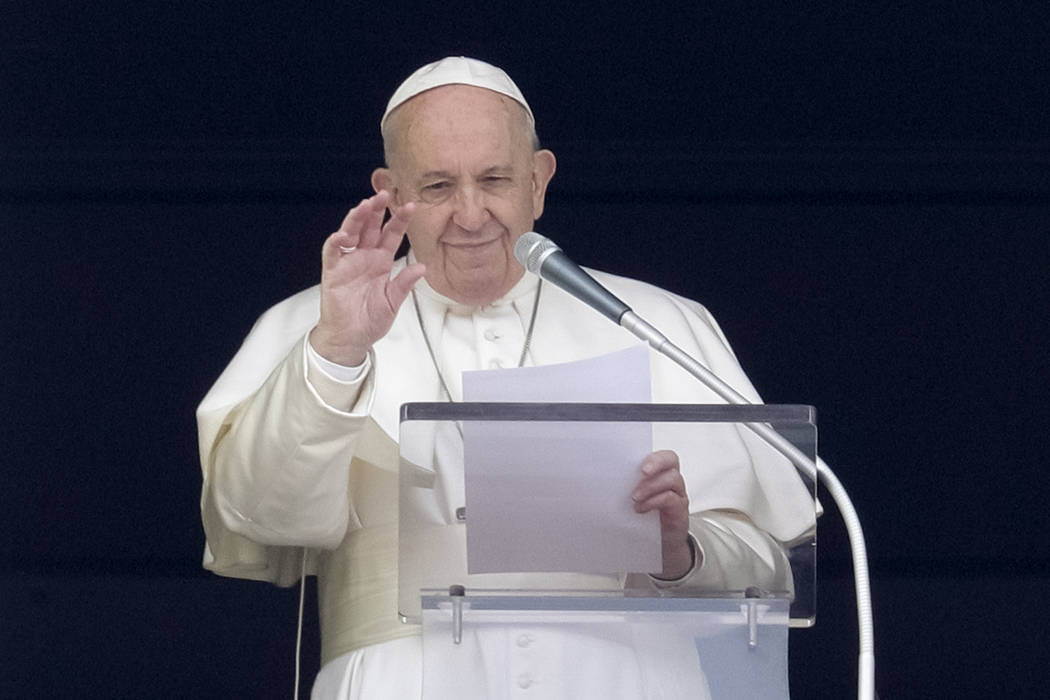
column 572, row 633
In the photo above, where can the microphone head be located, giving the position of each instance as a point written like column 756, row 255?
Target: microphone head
column 532, row 249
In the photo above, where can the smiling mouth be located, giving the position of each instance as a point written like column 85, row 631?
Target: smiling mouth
column 471, row 245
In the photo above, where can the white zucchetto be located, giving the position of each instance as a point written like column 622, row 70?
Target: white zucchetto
column 456, row 70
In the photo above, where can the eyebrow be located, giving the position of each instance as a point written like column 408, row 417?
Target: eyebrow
column 446, row 175
column 432, row 174
column 498, row 170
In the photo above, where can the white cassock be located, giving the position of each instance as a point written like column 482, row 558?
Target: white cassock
column 295, row 460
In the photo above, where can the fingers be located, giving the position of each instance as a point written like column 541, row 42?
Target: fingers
column 332, row 248
column 662, row 489
column 401, row 286
column 363, row 229
column 661, row 480
column 362, row 225
column 673, row 507
column 373, row 210
column 367, row 214
column 396, row 228
column 659, row 462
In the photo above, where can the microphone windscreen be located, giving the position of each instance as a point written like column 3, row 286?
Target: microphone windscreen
column 530, row 250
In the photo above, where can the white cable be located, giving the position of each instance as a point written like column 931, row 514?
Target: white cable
column 862, row 584
column 865, row 623
column 299, row 629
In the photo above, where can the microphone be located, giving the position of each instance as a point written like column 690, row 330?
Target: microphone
column 542, row 256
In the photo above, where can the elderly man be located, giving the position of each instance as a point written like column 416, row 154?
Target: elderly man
column 293, row 480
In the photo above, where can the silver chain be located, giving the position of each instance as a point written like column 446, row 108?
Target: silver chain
column 430, row 349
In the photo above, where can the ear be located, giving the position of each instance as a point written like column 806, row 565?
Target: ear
column 383, row 179
column 543, row 166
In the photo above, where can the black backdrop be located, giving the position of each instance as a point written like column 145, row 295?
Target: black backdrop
column 860, row 194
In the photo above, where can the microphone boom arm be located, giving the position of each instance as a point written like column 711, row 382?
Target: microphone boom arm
column 865, row 623
column 541, row 256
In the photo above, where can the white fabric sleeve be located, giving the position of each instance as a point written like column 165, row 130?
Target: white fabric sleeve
column 280, row 465
column 338, row 386
column 733, row 554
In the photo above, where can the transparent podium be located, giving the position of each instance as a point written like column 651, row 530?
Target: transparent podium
column 568, row 632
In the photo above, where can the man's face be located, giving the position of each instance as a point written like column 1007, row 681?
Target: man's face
column 464, row 156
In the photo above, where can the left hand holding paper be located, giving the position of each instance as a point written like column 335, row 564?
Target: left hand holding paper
column 662, row 489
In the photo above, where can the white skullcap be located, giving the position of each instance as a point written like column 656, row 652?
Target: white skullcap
column 456, row 70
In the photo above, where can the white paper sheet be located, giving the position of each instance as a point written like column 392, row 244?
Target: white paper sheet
column 546, row 496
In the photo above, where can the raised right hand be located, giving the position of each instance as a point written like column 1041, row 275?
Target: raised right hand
column 359, row 299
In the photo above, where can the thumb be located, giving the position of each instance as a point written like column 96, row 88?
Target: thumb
column 400, row 286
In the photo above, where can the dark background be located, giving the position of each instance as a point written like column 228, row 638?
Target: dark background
column 859, row 192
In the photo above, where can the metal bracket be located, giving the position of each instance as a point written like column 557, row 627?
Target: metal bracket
column 456, row 592
column 752, row 596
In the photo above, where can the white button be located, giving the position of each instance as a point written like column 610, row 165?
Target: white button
column 492, row 334
column 524, row 640
column 524, row 680
column 495, row 364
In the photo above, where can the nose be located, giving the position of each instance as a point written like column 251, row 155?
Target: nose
column 470, row 209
